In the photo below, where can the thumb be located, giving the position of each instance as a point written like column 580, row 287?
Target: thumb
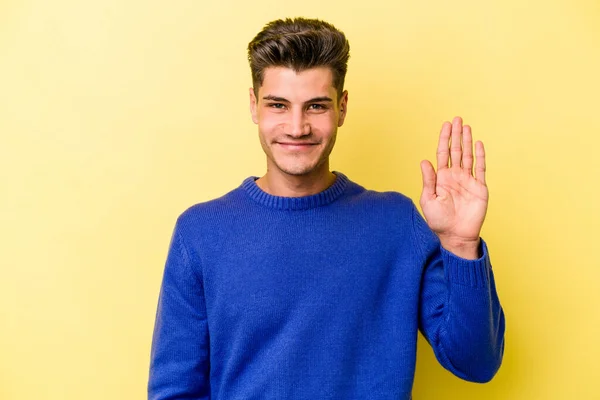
column 429, row 179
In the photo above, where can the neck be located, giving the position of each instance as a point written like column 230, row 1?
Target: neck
column 285, row 185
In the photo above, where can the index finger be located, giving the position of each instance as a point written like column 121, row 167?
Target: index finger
column 443, row 150
column 480, row 162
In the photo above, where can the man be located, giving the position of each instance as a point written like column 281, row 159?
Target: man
column 301, row 284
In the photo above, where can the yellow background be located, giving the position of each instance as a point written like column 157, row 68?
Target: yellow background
column 117, row 115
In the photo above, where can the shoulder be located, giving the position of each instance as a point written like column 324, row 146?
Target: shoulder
column 385, row 207
column 212, row 213
column 385, row 199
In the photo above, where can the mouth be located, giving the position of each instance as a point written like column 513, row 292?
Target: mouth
column 295, row 146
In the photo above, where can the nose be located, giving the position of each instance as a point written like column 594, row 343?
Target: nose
column 299, row 125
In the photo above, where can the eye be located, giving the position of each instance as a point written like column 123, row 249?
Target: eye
column 317, row 107
column 278, row 106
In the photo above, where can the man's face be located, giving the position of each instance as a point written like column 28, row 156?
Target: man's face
column 298, row 115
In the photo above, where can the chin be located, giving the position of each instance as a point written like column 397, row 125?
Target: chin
column 297, row 170
column 297, row 166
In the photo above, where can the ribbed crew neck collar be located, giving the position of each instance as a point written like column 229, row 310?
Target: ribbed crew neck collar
column 325, row 197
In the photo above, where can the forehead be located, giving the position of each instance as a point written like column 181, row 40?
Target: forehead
column 300, row 86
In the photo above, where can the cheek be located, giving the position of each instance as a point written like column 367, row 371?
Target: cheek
column 267, row 131
column 324, row 124
column 270, row 123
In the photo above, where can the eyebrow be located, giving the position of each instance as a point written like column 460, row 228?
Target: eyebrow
column 320, row 99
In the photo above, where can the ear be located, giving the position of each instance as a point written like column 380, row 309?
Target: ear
column 343, row 108
column 253, row 106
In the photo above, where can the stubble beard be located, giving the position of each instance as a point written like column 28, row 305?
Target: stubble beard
column 295, row 167
column 299, row 167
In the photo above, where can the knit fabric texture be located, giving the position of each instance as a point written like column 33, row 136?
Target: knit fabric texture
column 316, row 297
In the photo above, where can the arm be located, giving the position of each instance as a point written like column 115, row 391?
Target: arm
column 179, row 365
column 460, row 313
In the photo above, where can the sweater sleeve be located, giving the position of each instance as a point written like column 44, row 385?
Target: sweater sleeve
column 179, row 364
column 460, row 313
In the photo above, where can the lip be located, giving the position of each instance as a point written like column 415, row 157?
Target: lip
column 296, row 146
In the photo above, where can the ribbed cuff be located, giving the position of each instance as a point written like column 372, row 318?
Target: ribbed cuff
column 474, row 273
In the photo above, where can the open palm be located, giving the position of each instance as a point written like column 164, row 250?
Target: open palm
column 454, row 200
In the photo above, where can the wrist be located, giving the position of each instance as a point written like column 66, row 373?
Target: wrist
column 467, row 249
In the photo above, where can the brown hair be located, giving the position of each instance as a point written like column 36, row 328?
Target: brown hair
column 299, row 44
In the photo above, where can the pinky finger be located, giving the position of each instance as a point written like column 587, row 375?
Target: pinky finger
column 480, row 162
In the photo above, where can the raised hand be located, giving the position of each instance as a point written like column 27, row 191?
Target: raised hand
column 454, row 201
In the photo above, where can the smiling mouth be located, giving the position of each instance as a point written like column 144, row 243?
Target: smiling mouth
column 296, row 145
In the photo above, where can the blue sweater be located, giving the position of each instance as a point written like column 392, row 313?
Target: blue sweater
column 316, row 297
